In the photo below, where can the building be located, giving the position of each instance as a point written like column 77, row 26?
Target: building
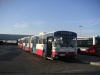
column 10, row 38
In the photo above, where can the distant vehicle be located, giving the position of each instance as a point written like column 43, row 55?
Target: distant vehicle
column 55, row 44
column 89, row 45
column 11, row 42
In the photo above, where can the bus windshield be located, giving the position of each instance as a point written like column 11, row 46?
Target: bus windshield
column 65, row 41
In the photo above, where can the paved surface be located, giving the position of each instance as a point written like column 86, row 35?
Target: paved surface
column 89, row 59
column 15, row 61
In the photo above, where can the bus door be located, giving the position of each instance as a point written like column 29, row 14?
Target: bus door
column 49, row 46
column 34, row 45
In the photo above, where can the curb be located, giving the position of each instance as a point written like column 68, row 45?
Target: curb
column 95, row 63
column 92, row 63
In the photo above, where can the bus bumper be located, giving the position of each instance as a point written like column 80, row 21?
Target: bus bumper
column 64, row 54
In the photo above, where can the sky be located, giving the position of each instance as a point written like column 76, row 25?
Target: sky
column 31, row 17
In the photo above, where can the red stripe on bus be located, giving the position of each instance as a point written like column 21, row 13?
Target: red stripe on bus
column 39, row 52
column 27, row 49
column 30, row 50
column 23, row 47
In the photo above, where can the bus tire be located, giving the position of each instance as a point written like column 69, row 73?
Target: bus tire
column 79, row 51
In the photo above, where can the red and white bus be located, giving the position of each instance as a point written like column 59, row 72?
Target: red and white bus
column 21, row 43
column 18, row 42
column 89, row 45
column 55, row 44
column 30, row 43
column 26, row 40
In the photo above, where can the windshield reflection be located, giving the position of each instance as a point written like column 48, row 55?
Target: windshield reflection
column 63, row 41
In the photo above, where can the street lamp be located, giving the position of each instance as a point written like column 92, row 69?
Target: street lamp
column 80, row 30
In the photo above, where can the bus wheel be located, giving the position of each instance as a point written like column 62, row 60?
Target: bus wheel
column 44, row 55
column 79, row 51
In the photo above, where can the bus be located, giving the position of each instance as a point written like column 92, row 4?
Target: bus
column 89, row 45
column 21, row 43
column 55, row 44
column 34, row 41
column 30, row 43
column 18, row 42
column 26, row 47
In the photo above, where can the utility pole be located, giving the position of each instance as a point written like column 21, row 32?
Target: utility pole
column 80, row 30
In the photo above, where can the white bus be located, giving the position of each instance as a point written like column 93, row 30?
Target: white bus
column 21, row 43
column 26, row 40
column 18, row 42
column 89, row 45
column 55, row 44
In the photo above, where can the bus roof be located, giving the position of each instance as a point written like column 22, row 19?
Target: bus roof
column 52, row 33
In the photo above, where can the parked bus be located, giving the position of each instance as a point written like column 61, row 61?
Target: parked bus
column 22, row 43
column 34, row 42
column 30, row 43
column 18, row 42
column 89, row 45
column 26, row 40
column 55, row 44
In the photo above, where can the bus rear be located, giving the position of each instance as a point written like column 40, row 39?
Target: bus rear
column 95, row 48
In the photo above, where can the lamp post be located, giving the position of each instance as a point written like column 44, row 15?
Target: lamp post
column 80, row 30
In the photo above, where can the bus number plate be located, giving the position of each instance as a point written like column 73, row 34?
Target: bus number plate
column 62, row 54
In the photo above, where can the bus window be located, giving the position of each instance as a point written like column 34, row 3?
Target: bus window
column 97, row 41
column 71, row 40
column 64, row 41
column 84, row 43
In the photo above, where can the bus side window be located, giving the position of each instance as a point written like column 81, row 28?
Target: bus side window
column 32, row 41
column 40, row 41
column 44, row 41
column 37, row 40
column 27, row 41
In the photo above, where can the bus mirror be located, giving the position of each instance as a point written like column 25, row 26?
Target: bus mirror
column 53, row 44
column 52, row 38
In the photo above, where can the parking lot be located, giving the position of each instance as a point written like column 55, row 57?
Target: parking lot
column 15, row 61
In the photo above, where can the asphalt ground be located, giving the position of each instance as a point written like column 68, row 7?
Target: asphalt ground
column 15, row 61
